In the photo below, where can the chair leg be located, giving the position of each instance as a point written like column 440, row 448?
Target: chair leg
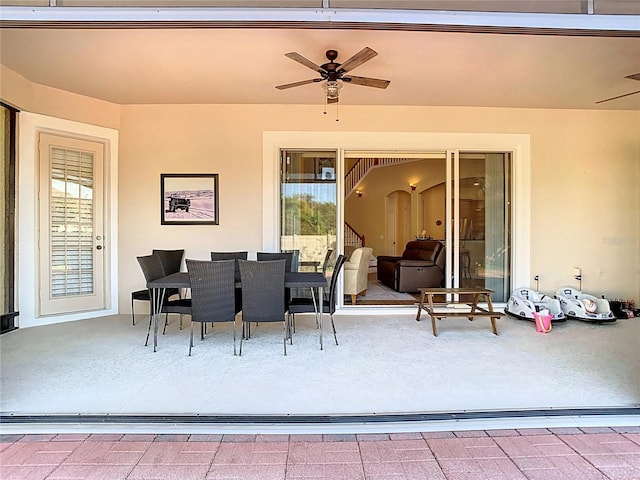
column 133, row 313
column 146, row 342
column 333, row 325
column 180, row 321
column 234, row 337
column 166, row 322
column 315, row 307
column 241, row 337
column 203, row 330
column 353, row 299
column 191, row 339
column 284, row 336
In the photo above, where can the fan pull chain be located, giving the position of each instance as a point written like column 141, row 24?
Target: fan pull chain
column 337, row 117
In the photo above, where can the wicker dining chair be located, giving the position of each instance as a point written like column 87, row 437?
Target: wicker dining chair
column 307, row 305
column 212, row 294
column 171, row 262
column 263, row 294
column 233, row 256
column 287, row 256
column 291, row 266
column 152, row 269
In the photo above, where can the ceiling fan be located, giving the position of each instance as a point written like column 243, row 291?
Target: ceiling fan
column 635, row 76
column 332, row 73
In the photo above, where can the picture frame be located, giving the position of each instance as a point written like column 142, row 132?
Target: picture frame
column 189, row 199
column 325, row 169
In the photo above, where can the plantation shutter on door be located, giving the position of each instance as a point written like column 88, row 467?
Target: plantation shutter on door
column 71, row 259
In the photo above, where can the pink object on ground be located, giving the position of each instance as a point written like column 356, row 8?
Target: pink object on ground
column 543, row 322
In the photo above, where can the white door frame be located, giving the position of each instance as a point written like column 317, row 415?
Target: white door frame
column 29, row 125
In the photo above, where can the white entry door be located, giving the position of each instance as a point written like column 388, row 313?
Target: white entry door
column 71, row 237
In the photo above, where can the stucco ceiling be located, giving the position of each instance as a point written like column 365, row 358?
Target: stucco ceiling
column 243, row 66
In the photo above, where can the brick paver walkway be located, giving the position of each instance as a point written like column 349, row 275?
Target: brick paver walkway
column 536, row 454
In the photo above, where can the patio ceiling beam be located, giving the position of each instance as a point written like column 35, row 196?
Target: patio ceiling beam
column 336, row 18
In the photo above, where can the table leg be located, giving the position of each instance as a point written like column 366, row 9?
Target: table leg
column 474, row 305
column 420, row 306
column 157, row 294
column 434, row 328
column 490, row 308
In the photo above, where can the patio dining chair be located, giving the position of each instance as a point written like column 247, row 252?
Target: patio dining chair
column 325, row 263
column 152, row 269
column 263, row 294
column 287, row 256
column 291, row 258
column 307, row 305
column 212, row 294
column 171, row 261
column 216, row 256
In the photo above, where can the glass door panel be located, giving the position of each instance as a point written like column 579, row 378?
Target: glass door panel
column 484, row 220
column 308, row 205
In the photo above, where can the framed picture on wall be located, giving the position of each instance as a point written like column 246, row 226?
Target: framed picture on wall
column 189, row 198
column 325, row 169
column 328, row 173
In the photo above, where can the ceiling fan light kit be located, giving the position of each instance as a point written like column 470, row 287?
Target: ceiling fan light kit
column 332, row 73
column 332, row 89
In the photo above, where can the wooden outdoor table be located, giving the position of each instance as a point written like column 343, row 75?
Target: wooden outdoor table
column 474, row 310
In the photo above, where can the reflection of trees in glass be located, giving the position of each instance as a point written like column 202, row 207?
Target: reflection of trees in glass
column 303, row 215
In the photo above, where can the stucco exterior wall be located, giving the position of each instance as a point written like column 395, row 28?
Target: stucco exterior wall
column 585, row 172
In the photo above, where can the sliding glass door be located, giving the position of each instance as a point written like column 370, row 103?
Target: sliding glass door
column 461, row 198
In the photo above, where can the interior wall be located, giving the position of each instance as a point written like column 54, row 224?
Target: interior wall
column 366, row 214
column 585, row 168
column 433, row 200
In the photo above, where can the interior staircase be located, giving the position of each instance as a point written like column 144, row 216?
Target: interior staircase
column 362, row 167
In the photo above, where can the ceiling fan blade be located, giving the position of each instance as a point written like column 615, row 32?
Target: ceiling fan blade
column 358, row 59
column 367, row 82
column 297, row 84
column 619, row 96
column 635, row 76
column 304, row 61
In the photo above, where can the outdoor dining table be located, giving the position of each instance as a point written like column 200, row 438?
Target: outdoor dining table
column 181, row 280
